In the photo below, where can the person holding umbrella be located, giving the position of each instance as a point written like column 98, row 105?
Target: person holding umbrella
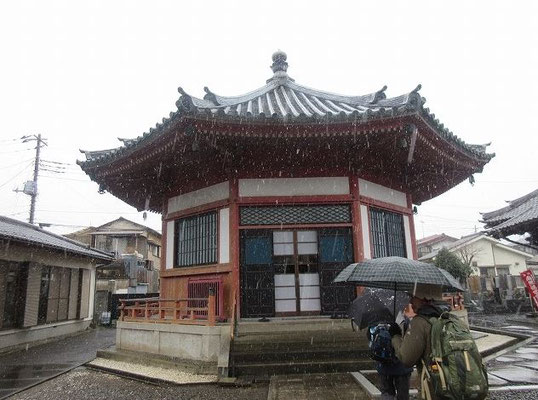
column 374, row 310
column 393, row 374
column 414, row 346
column 425, row 282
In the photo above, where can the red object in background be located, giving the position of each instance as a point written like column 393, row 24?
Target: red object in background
column 530, row 283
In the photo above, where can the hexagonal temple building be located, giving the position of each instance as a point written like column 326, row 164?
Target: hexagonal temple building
column 266, row 196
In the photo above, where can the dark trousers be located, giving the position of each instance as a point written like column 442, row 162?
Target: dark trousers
column 395, row 386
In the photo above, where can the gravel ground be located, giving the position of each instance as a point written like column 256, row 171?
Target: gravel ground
column 172, row 375
column 513, row 395
column 83, row 383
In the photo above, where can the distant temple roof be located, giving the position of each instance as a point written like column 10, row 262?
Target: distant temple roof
column 518, row 217
column 282, row 100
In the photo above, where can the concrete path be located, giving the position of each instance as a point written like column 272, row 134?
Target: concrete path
column 26, row 368
column 315, row 387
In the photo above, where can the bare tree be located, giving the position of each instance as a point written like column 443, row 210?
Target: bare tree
column 467, row 254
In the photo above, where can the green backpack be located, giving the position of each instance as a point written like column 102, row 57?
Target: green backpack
column 454, row 370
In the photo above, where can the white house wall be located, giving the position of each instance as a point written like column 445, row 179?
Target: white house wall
column 224, row 235
column 210, row 194
column 170, row 244
column 293, row 186
column 408, row 241
column 365, row 232
column 487, row 254
column 382, row 193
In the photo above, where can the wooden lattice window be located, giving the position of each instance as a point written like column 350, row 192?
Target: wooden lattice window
column 196, row 240
column 388, row 237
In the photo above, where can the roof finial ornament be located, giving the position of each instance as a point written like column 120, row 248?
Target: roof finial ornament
column 280, row 66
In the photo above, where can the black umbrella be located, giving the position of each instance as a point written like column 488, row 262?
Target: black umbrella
column 377, row 305
column 398, row 273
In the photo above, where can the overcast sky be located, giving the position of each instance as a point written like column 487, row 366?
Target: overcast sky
column 85, row 73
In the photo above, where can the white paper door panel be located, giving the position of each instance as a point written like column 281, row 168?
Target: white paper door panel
column 284, row 280
column 310, row 305
column 308, row 279
column 286, row 292
column 309, row 292
column 285, row 306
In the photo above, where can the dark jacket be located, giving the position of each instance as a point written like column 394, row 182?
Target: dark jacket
column 415, row 345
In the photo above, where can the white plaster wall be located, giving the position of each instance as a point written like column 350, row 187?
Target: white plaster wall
column 382, row 193
column 408, row 241
column 217, row 192
column 169, row 244
column 224, row 235
column 365, row 226
column 293, row 186
column 486, row 256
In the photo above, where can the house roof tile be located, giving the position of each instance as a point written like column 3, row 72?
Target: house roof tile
column 11, row 229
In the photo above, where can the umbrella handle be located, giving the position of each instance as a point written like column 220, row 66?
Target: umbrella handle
column 352, row 325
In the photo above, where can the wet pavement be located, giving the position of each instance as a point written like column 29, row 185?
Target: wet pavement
column 26, row 368
column 518, row 366
column 339, row 386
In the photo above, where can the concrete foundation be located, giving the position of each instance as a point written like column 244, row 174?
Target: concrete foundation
column 189, row 342
column 14, row 339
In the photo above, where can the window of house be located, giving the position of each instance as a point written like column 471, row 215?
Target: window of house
column 196, row 240
column 155, row 250
column 54, row 294
column 487, row 271
column 503, row 271
column 387, row 230
column 14, row 291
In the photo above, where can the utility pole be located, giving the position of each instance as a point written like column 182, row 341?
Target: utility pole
column 30, row 188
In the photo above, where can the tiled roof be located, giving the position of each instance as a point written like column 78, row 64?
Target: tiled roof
column 434, row 239
column 11, row 229
column 282, row 100
column 517, row 211
column 521, row 215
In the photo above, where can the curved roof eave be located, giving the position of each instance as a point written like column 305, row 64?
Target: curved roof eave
column 283, row 101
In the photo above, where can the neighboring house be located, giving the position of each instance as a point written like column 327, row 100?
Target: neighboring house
column 487, row 256
column 137, row 252
column 269, row 195
column 519, row 217
column 433, row 243
column 47, row 284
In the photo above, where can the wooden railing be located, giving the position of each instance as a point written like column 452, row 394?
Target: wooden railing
column 176, row 311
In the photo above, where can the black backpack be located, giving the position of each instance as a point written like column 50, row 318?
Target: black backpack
column 381, row 344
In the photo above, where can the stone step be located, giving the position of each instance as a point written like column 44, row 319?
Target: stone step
column 302, row 337
column 297, row 346
column 321, row 324
column 301, row 367
column 292, row 355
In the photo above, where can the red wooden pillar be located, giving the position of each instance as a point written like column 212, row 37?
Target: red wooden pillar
column 358, row 244
column 234, row 241
column 412, row 227
column 164, row 239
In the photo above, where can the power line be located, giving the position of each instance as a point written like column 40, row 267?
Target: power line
column 65, row 179
column 20, row 162
column 88, row 212
column 16, row 175
column 16, row 151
